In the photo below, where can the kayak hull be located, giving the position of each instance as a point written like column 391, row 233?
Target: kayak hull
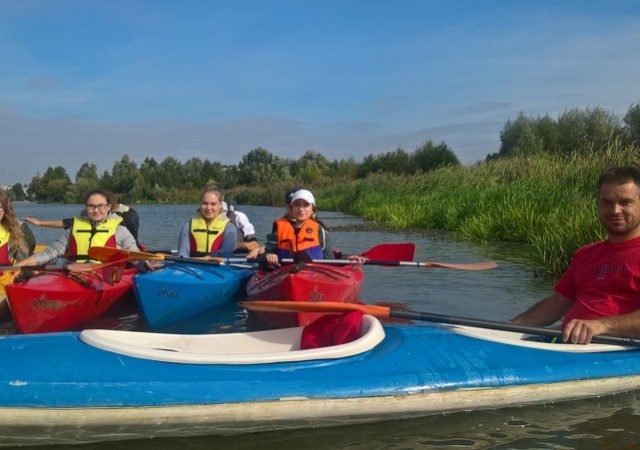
column 305, row 282
column 412, row 372
column 180, row 291
column 61, row 301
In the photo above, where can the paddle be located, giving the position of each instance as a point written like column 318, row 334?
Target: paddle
column 401, row 251
column 71, row 267
column 104, row 253
column 385, row 311
column 459, row 266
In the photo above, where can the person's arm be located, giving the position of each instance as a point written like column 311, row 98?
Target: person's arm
column 546, row 312
column 183, row 241
column 244, row 225
column 55, row 250
column 45, row 223
column 228, row 241
column 125, row 240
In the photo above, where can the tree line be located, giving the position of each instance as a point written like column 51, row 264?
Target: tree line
column 574, row 131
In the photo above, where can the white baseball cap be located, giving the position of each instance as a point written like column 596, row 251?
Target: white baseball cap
column 303, row 194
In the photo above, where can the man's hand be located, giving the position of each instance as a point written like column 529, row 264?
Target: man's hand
column 582, row 331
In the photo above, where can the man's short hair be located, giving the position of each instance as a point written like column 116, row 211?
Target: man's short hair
column 619, row 175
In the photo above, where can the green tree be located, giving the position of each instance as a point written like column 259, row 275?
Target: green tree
column 310, row 167
column 430, row 156
column 586, row 131
column 259, row 167
column 193, row 173
column 214, row 171
column 170, row 173
column 345, row 168
column 520, row 137
column 52, row 186
column 17, row 192
column 547, row 130
column 88, row 172
column 124, row 177
column 632, row 124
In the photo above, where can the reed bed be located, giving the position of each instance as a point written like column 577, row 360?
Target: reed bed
column 546, row 202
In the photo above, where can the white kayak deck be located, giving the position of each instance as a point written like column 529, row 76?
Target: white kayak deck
column 257, row 347
column 522, row 340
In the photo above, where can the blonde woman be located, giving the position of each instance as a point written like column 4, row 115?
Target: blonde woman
column 16, row 243
column 16, row 239
column 209, row 232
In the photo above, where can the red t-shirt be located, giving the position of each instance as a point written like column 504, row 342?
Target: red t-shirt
column 603, row 279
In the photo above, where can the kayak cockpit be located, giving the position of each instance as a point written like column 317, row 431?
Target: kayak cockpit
column 257, row 347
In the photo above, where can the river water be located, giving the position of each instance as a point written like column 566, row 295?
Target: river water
column 498, row 294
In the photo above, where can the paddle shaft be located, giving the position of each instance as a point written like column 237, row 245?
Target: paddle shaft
column 71, row 267
column 402, row 251
column 504, row 326
column 385, row 311
column 459, row 266
column 31, row 268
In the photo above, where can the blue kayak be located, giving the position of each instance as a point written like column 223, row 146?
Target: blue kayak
column 98, row 385
column 182, row 290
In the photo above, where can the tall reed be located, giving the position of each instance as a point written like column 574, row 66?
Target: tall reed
column 546, row 202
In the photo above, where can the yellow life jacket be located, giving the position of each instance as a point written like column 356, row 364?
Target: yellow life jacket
column 5, row 235
column 205, row 239
column 86, row 234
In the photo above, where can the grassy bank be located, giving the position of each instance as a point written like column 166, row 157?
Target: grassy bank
column 546, row 202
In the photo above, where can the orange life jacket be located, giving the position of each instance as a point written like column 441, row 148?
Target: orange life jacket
column 305, row 238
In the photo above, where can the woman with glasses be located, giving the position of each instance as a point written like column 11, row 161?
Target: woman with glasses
column 130, row 218
column 97, row 226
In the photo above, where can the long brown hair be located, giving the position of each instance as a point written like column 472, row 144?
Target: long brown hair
column 11, row 223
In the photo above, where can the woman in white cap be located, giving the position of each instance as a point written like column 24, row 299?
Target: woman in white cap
column 298, row 231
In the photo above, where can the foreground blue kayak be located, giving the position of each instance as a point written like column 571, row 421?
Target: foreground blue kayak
column 182, row 290
column 107, row 384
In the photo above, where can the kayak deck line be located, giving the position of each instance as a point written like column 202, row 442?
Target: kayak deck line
column 257, row 347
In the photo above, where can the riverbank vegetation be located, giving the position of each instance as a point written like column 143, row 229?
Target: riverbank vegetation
column 537, row 189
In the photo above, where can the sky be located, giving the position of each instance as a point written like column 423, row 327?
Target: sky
column 94, row 80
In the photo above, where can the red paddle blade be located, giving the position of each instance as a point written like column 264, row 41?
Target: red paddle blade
column 393, row 251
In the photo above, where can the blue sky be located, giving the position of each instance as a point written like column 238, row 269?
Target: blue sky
column 91, row 81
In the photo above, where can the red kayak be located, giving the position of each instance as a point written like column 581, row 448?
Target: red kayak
column 303, row 282
column 62, row 301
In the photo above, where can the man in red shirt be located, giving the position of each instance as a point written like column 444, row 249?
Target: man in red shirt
column 600, row 291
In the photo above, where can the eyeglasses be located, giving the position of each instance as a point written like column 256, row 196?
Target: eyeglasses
column 100, row 207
